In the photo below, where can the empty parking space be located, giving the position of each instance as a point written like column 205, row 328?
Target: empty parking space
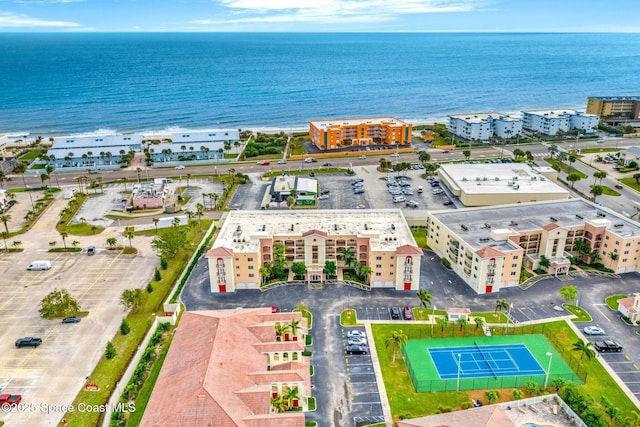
column 54, row 372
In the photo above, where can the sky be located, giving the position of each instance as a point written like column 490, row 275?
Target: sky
column 320, row 15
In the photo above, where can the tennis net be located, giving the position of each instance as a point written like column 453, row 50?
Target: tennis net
column 485, row 359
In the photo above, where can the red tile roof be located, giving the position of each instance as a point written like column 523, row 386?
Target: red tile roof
column 219, row 251
column 314, row 231
column 408, row 250
column 489, row 252
column 214, row 374
column 628, row 303
column 485, row 416
column 550, row 226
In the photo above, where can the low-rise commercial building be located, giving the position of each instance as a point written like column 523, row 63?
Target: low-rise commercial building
column 487, row 247
column 230, row 367
column 630, row 154
column 484, row 126
column 502, row 183
column 379, row 239
column 282, row 187
column 339, row 133
column 550, row 122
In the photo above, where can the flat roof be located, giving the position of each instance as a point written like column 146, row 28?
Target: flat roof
column 324, row 124
column 498, row 178
column 527, row 217
column 483, row 117
column 616, row 98
column 387, row 229
column 560, row 113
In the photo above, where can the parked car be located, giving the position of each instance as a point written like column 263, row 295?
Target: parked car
column 71, row 319
column 399, row 199
column 274, row 309
column 407, row 313
column 395, row 155
column 356, row 341
column 308, row 160
column 356, row 349
column 10, row 399
column 358, row 190
column 476, row 403
column 607, row 346
column 437, row 191
column 28, row 342
column 411, row 203
column 395, row 312
column 447, row 202
column 91, row 250
column 356, row 181
column 355, row 333
column 323, row 197
column 593, row 330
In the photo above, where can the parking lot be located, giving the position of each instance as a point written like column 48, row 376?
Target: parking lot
column 54, row 372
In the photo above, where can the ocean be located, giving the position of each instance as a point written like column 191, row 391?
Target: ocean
column 154, row 83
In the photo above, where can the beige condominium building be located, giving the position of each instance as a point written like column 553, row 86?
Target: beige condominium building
column 614, row 106
column 379, row 239
column 502, row 183
column 488, row 246
column 338, row 133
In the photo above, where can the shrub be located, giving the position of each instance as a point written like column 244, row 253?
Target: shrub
column 149, row 288
column 163, row 263
column 110, row 351
column 124, row 327
column 157, row 276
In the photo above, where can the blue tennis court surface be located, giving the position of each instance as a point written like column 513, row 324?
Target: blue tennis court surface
column 483, row 361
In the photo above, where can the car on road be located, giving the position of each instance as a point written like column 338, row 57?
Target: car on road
column 411, row 203
column 323, row 197
column 327, row 165
column 600, row 141
column 476, row 403
column 618, row 186
column 28, row 342
column 71, row 319
column 282, row 162
column 356, row 349
column 363, row 157
column 445, row 151
column 395, row 312
column 262, row 163
column 10, row 399
column 356, row 341
column 395, row 155
column 607, row 346
column 593, row 330
column 309, row 160
column 447, row 202
column 356, row 333
column 179, row 167
column 91, row 250
column 407, row 313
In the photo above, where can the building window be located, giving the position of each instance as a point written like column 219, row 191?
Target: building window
column 220, row 271
column 378, row 274
column 250, row 267
column 378, row 265
column 513, row 273
column 378, row 258
column 516, row 257
column 249, row 259
column 514, row 265
column 408, row 269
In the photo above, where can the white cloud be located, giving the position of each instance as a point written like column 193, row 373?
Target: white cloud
column 10, row 20
column 333, row 11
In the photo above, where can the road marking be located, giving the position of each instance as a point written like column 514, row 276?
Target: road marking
column 600, row 311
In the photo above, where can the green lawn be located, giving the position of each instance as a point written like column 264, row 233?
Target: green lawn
column 348, row 317
column 597, row 150
column 296, row 148
column 405, row 402
column 564, row 167
column 305, row 171
column 420, row 236
column 607, row 191
column 612, row 301
column 631, row 182
column 581, row 314
column 30, row 155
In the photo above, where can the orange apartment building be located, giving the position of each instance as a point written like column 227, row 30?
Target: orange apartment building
column 224, row 368
column 379, row 239
column 339, row 133
column 487, row 247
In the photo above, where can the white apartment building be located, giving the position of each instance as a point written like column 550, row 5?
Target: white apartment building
column 195, row 145
column 550, row 122
column 483, row 126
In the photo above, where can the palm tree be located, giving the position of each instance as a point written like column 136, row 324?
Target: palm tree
column 501, row 304
column 395, row 341
column 613, row 256
column 17, row 243
column 124, row 180
column 155, row 223
column 596, row 190
column 294, row 327
column 425, row 298
column 462, row 322
column 64, row 234
column 572, row 178
column 364, row 271
column 265, row 271
column 237, row 145
column 199, row 213
column 584, row 347
column 479, row 321
column 466, row 154
column 5, row 219
column 424, row 156
column 138, row 171
column 280, row 329
column 129, row 233
column 188, row 178
column 278, row 404
column 347, row 256
column 111, row 241
column 594, row 256
column 553, row 149
column 302, row 307
column 215, row 197
column 599, row 175
column 291, row 394
column 443, row 322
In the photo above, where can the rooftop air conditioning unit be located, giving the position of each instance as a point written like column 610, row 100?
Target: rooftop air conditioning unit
column 516, row 186
column 464, row 227
column 510, row 183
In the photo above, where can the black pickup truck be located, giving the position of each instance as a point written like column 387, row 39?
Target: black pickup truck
column 607, row 346
column 28, row 342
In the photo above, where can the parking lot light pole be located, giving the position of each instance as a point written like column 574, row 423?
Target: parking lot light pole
column 546, row 378
column 458, row 381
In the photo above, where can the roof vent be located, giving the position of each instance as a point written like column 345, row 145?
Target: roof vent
column 264, row 227
column 393, row 226
column 497, row 178
column 238, row 229
column 513, row 222
column 464, row 178
column 487, row 225
column 579, row 216
column 292, row 226
column 553, row 218
column 366, row 227
column 464, row 227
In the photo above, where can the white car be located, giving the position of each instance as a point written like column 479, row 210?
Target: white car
column 593, row 330
column 356, row 333
column 437, row 191
column 356, row 341
column 323, row 197
column 395, row 155
column 179, row 167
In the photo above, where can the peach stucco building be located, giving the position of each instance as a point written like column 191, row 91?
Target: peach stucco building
column 224, row 368
column 377, row 238
column 338, row 133
column 487, row 247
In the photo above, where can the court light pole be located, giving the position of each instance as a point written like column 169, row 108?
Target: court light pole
column 546, row 378
column 458, row 380
column 433, row 319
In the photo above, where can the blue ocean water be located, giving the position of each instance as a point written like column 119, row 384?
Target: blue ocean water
column 60, row 83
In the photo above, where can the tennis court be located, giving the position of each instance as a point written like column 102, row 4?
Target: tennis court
column 484, row 363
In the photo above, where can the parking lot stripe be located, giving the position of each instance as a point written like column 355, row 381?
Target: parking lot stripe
column 600, row 311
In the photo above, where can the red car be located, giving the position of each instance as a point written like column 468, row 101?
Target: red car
column 408, row 314
column 274, row 309
column 11, row 399
column 263, row 163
